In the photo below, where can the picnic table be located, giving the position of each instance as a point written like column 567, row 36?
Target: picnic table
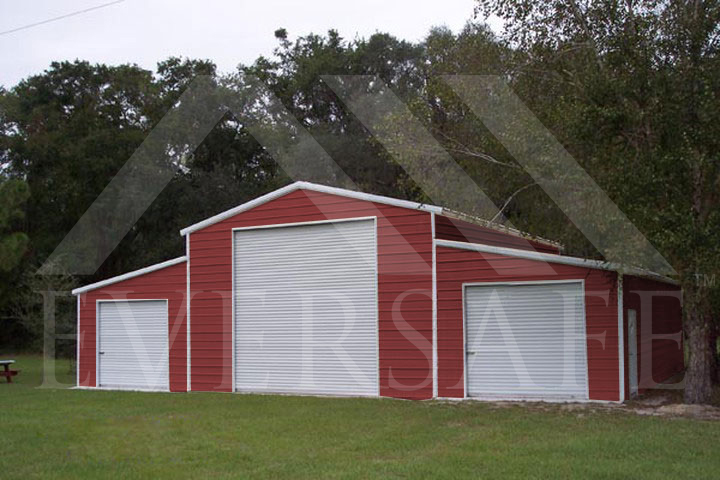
column 7, row 373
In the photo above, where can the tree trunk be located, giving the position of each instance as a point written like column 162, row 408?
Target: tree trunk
column 698, row 381
column 715, row 364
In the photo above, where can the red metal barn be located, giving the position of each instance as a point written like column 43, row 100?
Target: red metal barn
column 324, row 291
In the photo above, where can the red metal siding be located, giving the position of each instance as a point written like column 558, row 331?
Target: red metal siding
column 404, row 289
column 662, row 315
column 168, row 283
column 455, row 267
column 461, row 231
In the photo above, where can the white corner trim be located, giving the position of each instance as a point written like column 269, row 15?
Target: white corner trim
column 77, row 345
column 621, row 338
column 188, row 373
column 343, row 192
column 129, row 275
column 552, row 258
column 434, row 309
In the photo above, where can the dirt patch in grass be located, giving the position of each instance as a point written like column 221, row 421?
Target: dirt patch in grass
column 669, row 403
column 661, row 403
column 656, row 403
column 699, row 412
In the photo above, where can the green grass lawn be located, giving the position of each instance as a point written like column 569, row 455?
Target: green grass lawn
column 62, row 433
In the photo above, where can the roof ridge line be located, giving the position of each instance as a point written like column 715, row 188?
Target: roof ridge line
column 303, row 185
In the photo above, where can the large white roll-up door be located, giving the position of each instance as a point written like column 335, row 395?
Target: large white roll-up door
column 133, row 344
column 306, row 309
column 526, row 341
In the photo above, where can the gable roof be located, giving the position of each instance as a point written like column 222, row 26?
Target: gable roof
column 342, row 192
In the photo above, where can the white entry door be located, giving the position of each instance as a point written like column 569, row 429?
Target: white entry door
column 632, row 353
column 132, row 350
column 306, row 309
column 526, row 341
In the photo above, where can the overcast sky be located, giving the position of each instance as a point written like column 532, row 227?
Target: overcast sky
column 227, row 32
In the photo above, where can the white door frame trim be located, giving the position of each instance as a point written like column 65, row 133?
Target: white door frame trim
column 465, row 286
column 377, row 307
column 97, row 333
column 302, row 224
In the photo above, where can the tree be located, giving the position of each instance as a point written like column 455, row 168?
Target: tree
column 13, row 244
column 13, row 249
column 68, row 131
column 32, row 292
column 632, row 90
column 294, row 76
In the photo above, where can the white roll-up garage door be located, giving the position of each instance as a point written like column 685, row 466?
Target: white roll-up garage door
column 306, row 309
column 133, row 344
column 526, row 341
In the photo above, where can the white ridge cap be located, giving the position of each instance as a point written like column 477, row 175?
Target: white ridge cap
column 343, row 192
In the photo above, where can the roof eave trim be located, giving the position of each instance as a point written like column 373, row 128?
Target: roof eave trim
column 551, row 258
column 343, row 192
column 129, row 275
